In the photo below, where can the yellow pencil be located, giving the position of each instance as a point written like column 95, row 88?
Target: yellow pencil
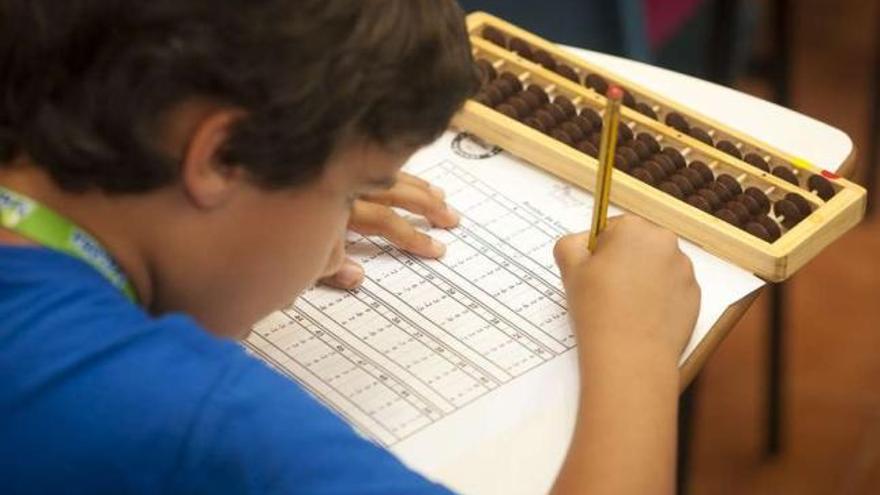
column 607, row 149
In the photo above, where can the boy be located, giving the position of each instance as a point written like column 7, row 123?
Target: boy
column 174, row 170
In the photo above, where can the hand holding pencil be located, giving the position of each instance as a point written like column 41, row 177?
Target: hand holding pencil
column 607, row 148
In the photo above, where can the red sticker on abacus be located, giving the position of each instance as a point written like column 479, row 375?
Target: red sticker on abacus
column 830, row 175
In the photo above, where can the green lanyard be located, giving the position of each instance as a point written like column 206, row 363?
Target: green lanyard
column 30, row 219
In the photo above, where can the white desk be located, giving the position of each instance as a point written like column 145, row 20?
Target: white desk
column 525, row 461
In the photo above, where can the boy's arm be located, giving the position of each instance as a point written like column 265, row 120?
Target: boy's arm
column 633, row 303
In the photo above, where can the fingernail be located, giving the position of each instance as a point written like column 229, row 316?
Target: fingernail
column 350, row 274
column 454, row 216
column 436, row 191
column 438, row 247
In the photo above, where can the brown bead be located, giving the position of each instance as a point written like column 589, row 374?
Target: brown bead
column 759, row 196
column 730, row 183
column 649, row 140
column 737, row 208
column 629, row 100
column 566, row 105
column 722, row 191
column 758, row 230
column 655, row 169
column 587, row 148
column 711, row 197
column 640, row 148
column 803, row 205
column 562, row 136
column 729, row 148
column 700, row 134
column 597, row 83
column 683, row 183
column 487, row 70
column 704, row 170
column 508, row 110
column 545, row 59
column 750, row 203
column 584, row 123
column 789, row 212
column 623, row 163
column 771, row 226
column 494, row 96
column 594, row 118
column 728, row 216
column 514, row 80
column 530, row 98
column 547, row 120
column 631, row 156
column 678, row 121
column 672, row 189
column 556, row 111
column 505, row 85
column 522, row 48
column 624, row 133
column 645, row 109
column 573, row 130
column 821, row 186
column 700, row 202
column 665, row 163
column 482, row 99
column 786, row 174
column 494, row 35
column 644, row 176
column 535, row 124
column 540, row 93
column 521, row 106
column 695, row 177
column 756, row 160
column 676, row 156
column 567, row 72
column 596, row 139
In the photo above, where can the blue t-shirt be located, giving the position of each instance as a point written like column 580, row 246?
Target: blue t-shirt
column 96, row 396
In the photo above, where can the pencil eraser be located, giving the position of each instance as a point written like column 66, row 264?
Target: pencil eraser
column 615, row 93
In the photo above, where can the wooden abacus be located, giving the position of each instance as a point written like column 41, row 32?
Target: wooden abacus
column 728, row 192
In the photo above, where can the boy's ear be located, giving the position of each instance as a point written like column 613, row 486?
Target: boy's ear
column 208, row 181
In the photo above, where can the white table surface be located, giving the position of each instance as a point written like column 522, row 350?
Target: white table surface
column 514, row 462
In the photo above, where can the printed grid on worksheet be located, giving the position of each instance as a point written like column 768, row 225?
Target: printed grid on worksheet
column 423, row 338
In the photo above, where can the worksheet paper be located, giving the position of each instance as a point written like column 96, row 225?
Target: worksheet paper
column 465, row 367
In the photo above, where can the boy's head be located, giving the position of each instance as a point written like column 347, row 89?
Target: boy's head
column 237, row 132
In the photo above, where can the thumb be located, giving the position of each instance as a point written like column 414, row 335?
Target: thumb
column 349, row 276
column 571, row 251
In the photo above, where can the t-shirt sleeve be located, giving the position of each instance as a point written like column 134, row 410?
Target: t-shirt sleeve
column 258, row 432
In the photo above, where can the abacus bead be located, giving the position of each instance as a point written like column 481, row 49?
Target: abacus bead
column 531, row 98
column 649, row 140
column 566, row 105
column 630, row 155
column 587, row 148
column 700, row 202
column 802, row 204
column 654, row 169
column 640, row 148
column 737, row 208
column 821, row 186
column 756, row 160
column 665, row 163
column 750, row 203
column 730, row 183
column 700, row 134
column 494, row 95
column 785, row 174
column 789, row 211
column 535, row 124
column 594, row 118
column 539, row 92
column 584, row 123
column 722, row 191
column 692, row 175
column 711, row 197
column 629, row 100
column 521, row 106
column 505, row 85
column 546, row 118
column 562, row 136
column 487, row 70
column 672, row 189
column 676, row 156
column 514, row 80
column 644, row 176
column 729, row 148
column 624, row 133
column 683, row 183
column 704, row 170
column 545, row 59
column 567, row 72
column 494, row 35
column 508, row 110
column 646, row 110
column 771, row 226
column 483, row 99
column 623, row 163
column 759, row 196
column 572, row 130
column 597, row 83
column 556, row 111
column 521, row 47
column 758, row 230
column 678, row 121
column 728, row 216
column 596, row 139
